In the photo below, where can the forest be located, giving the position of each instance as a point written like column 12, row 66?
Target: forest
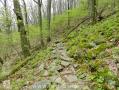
column 59, row 44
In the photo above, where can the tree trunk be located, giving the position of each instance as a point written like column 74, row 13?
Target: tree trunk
column 21, row 29
column 26, row 21
column 68, row 6
column 49, row 19
column 92, row 10
column 40, row 21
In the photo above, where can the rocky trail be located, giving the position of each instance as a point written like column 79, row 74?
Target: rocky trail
column 58, row 73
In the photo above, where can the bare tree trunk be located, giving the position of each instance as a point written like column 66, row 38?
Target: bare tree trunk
column 39, row 3
column 49, row 19
column 92, row 10
column 26, row 21
column 40, row 21
column 68, row 6
column 21, row 29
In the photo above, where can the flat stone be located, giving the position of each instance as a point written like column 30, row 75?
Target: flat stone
column 41, row 85
column 68, row 87
column 59, row 80
column 6, row 85
column 64, row 63
column 53, row 78
column 75, row 65
column 118, row 65
column 70, row 70
column 46, row 73
column 66, row 58
column 41, row 67
column 71, row 78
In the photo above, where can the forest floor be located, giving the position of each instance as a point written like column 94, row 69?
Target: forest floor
column 87, row 59
column 58, row 72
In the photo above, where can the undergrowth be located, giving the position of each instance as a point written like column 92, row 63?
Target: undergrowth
column 92, row 47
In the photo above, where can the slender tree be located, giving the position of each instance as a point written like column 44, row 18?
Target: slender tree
column 26, row 20
column 39, row 3
column 40, row 21
column 68, row 6
column 49, row 19
column 92, row 10
column 21, row 29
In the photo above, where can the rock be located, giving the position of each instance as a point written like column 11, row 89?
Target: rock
column 118, row 66
column 64, row 63
column 41, row 85
column 53, row 78
column 65, row 88
column 26, row 88
column 6, row 85
column 59, row 81
column 66, row 58
column 68, row 86
column 41, row 67
column 71, row 78
column 46, row 73
column 75, row 65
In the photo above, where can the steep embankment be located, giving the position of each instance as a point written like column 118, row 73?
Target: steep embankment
column 96, row 49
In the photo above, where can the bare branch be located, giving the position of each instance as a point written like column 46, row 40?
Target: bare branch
column 35, row 1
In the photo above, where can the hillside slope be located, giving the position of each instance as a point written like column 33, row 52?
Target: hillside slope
column 96, row 50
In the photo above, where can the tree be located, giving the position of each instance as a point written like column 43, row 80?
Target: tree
column 68, row 6
column 21, row 29
column 92, row 10
column 26, row 19
column 40, row 20
column 49, row 19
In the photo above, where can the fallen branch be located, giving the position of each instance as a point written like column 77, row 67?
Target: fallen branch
column 99, row 16
column 84, row 19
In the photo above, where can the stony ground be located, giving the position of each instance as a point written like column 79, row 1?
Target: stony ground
column 58, row 73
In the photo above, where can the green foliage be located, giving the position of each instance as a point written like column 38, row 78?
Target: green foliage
column 26, row 73
column 91, row 46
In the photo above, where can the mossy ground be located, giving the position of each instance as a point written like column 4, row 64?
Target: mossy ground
column 91, row 47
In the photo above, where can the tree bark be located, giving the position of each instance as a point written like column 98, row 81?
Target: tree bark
column 26, row 21
column 49, row 19
column 40, row 21
column 21, row 29
column 92, row 10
